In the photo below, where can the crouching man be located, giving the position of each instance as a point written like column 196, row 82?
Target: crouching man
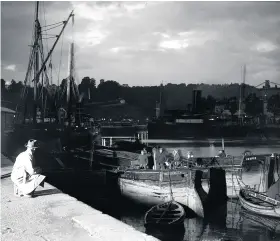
column 25, row 178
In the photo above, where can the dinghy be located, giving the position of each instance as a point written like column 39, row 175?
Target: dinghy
column 259, row 203
column 167, row 214
column 267, row 201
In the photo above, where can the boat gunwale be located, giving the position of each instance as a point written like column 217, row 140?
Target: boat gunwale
column 253, row 205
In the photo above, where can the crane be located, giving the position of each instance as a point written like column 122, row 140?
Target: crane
column 267, row 86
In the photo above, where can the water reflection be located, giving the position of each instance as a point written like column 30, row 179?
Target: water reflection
column 215, row 227
column 231, row 223
column 260, row 226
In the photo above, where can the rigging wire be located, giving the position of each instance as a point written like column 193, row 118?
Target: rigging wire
column 170, row 186
column 61, row 22
column 47, row 46
column 46, row 34
column 41, row 52
column 24, row 91
column 45, row 69
column 32, row 51
column 60, row 59
column 53, row 27
column 50, row 37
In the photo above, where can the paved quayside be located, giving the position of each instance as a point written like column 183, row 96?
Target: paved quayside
column 53, row 215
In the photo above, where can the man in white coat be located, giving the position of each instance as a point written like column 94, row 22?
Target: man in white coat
column 25, row 178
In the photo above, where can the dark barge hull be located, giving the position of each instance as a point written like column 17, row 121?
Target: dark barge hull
column 162, row 130
column 52, row 136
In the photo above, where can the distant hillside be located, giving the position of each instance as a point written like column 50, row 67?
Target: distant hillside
column 140, row 101
column 179, row 96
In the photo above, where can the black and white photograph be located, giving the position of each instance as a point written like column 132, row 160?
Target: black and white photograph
column 140, row 120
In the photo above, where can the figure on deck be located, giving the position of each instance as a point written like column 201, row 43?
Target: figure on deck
column 150, row 159
column 143, row 160
column 155, row 156
column 221, row 153
column 25, row 177
column 177, row 158
column 145, row 151
column 161, row 159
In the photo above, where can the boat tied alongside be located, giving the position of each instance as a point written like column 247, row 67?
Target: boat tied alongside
column 266, row 199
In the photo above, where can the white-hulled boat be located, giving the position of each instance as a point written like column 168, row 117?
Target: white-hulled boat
column 259, row 203
column 152, row 187
column 266, row 200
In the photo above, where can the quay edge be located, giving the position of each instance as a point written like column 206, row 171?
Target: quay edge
column 53, row 215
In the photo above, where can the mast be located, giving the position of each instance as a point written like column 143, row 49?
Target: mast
column 241, row 94
column 70, row 79
column 51, row 50
column 36, row 67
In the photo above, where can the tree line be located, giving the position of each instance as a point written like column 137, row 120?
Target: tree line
column 144, row 98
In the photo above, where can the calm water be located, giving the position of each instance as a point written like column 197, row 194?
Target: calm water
column 231, row 223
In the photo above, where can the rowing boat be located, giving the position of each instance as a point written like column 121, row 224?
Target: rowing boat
column 264, row 201
column 169, row 213
column 259, row 203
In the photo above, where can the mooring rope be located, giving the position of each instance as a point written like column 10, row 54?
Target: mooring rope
column 170, row 185
column 171, row 195
column 164, row 211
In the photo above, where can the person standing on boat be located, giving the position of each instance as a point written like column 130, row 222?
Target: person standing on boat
column 177, row 158
column 145, row 151
column 143, row 160
column 161, row 159
column 221, row 154
column 25, row 177
column 155, row 155
column 150, row 160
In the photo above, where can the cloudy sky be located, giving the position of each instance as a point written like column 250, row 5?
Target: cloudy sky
column 144, row 43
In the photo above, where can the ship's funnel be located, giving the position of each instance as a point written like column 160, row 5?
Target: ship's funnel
column 196, row 101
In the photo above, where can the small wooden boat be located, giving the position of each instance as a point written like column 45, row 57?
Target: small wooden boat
column 264, row 201
column 259, row 203
column 166, row 214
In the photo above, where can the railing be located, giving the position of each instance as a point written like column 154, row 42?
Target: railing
column 108, row 140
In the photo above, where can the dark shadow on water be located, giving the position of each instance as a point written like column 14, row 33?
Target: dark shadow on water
column 271, row 225
column 217, row 218
column 46, row 192
column 189, row 213
column 167, row 233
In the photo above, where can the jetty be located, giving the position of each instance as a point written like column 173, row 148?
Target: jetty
column 54, row 215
